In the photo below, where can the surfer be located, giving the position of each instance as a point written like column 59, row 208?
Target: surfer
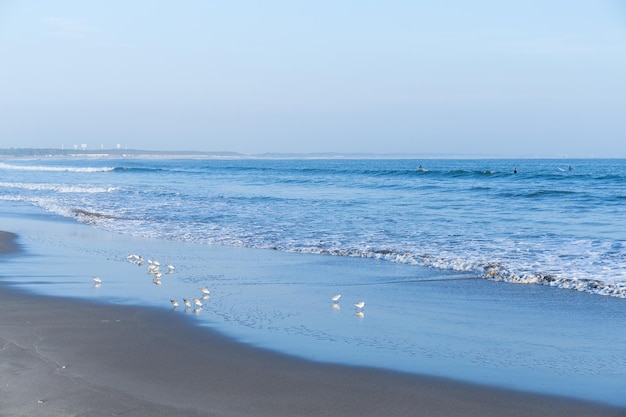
column 421, row 168
column 515, row 170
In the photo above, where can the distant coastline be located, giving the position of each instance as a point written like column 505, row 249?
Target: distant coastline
column 143, row 153
column 109, row 153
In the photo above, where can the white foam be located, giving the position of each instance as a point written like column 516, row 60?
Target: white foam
column 54, row 169
column 51, row 205
column 579, row 279
column 58, row 188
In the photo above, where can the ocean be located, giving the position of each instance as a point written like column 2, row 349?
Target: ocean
column 496, row 271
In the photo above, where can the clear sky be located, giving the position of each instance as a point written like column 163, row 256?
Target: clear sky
column 514, row 78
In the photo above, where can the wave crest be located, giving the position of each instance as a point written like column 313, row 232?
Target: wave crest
column 58, row 188
column 43, row 168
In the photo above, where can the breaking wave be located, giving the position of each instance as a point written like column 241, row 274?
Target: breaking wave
column 58, row 188
column 47, row 168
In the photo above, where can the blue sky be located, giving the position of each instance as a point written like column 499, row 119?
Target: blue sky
column 510, row 78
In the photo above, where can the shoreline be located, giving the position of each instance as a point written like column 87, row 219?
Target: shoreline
column 71, row 357
column 8, row 244
column 65, row 357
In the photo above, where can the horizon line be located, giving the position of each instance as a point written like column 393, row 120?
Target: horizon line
column 52, row 152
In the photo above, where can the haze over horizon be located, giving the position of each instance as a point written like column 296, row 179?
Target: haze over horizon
column 535, row 79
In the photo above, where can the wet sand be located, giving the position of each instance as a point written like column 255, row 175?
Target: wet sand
column 64, row 357
column 8, row 244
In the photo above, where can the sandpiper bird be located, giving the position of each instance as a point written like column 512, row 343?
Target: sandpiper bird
column 134, row 258
column 170, row 268
column 336, row 298
column 187, row 303
column 360, row 305
column 97, row 280
column 205, row 291
column 197, row 302
column 174, row 303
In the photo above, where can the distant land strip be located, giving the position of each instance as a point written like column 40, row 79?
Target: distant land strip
column 143, row 153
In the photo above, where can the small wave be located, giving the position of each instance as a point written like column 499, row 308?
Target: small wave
column 94, row 214
column 44, row 168
column 61, row 208
column 58, row 188
column 538, row 194
column 613, row 289
column 474, row 173
column 459, row 173
column 490, row 271
column 137, row 169
column 11, row 198
column 498, row 272
column 95, row 218
column 548, row 193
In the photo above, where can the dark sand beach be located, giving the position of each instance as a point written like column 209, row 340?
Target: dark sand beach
column 8, row 243
column 61, row 357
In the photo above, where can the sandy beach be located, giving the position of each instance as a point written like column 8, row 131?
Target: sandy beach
column 65, row 357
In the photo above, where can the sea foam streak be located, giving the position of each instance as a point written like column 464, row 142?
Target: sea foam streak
column 45, row 168
column 58, row 188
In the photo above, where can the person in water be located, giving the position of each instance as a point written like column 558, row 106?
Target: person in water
column 515, row 170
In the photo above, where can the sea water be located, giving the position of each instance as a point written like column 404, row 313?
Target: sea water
column 437, row 254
